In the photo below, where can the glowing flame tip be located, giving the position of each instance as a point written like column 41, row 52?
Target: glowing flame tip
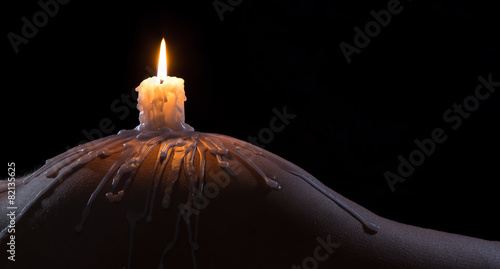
column 162, row 62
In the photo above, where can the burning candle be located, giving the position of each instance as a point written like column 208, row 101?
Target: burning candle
column 161, row 104
column 161, row 100
column 182, row 154
column 201, row 165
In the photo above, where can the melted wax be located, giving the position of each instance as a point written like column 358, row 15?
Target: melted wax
column 177, row 148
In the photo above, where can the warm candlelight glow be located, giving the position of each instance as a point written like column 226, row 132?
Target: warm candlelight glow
column 161, row 100
column 162, row 61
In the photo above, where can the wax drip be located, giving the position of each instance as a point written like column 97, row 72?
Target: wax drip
column 368, row 226
column 133, row 147
column 238, row 145
column 180, row 150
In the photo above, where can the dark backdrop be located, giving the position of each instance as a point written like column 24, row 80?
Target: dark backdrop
column 250, row 59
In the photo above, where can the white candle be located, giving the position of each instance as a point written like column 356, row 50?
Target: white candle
column 161, row 100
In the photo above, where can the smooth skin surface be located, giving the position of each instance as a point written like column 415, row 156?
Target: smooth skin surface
column 242, row 224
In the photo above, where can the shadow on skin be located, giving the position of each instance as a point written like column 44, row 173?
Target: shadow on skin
column 236, row 221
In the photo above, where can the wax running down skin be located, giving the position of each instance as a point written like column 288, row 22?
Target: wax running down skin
column 184, row 151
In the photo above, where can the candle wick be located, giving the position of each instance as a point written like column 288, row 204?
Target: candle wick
column 161, row 80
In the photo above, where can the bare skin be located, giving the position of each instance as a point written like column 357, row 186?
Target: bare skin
column 244, row 224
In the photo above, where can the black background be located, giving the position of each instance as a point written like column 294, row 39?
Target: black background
column 353, row 120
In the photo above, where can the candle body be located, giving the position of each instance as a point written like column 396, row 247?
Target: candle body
column 161, row 105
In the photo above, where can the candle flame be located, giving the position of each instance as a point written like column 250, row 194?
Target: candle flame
column 162, row 62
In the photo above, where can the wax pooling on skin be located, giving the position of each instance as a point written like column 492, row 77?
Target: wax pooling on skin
column 181, row 153
column 175, row 148
column 179, row 150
